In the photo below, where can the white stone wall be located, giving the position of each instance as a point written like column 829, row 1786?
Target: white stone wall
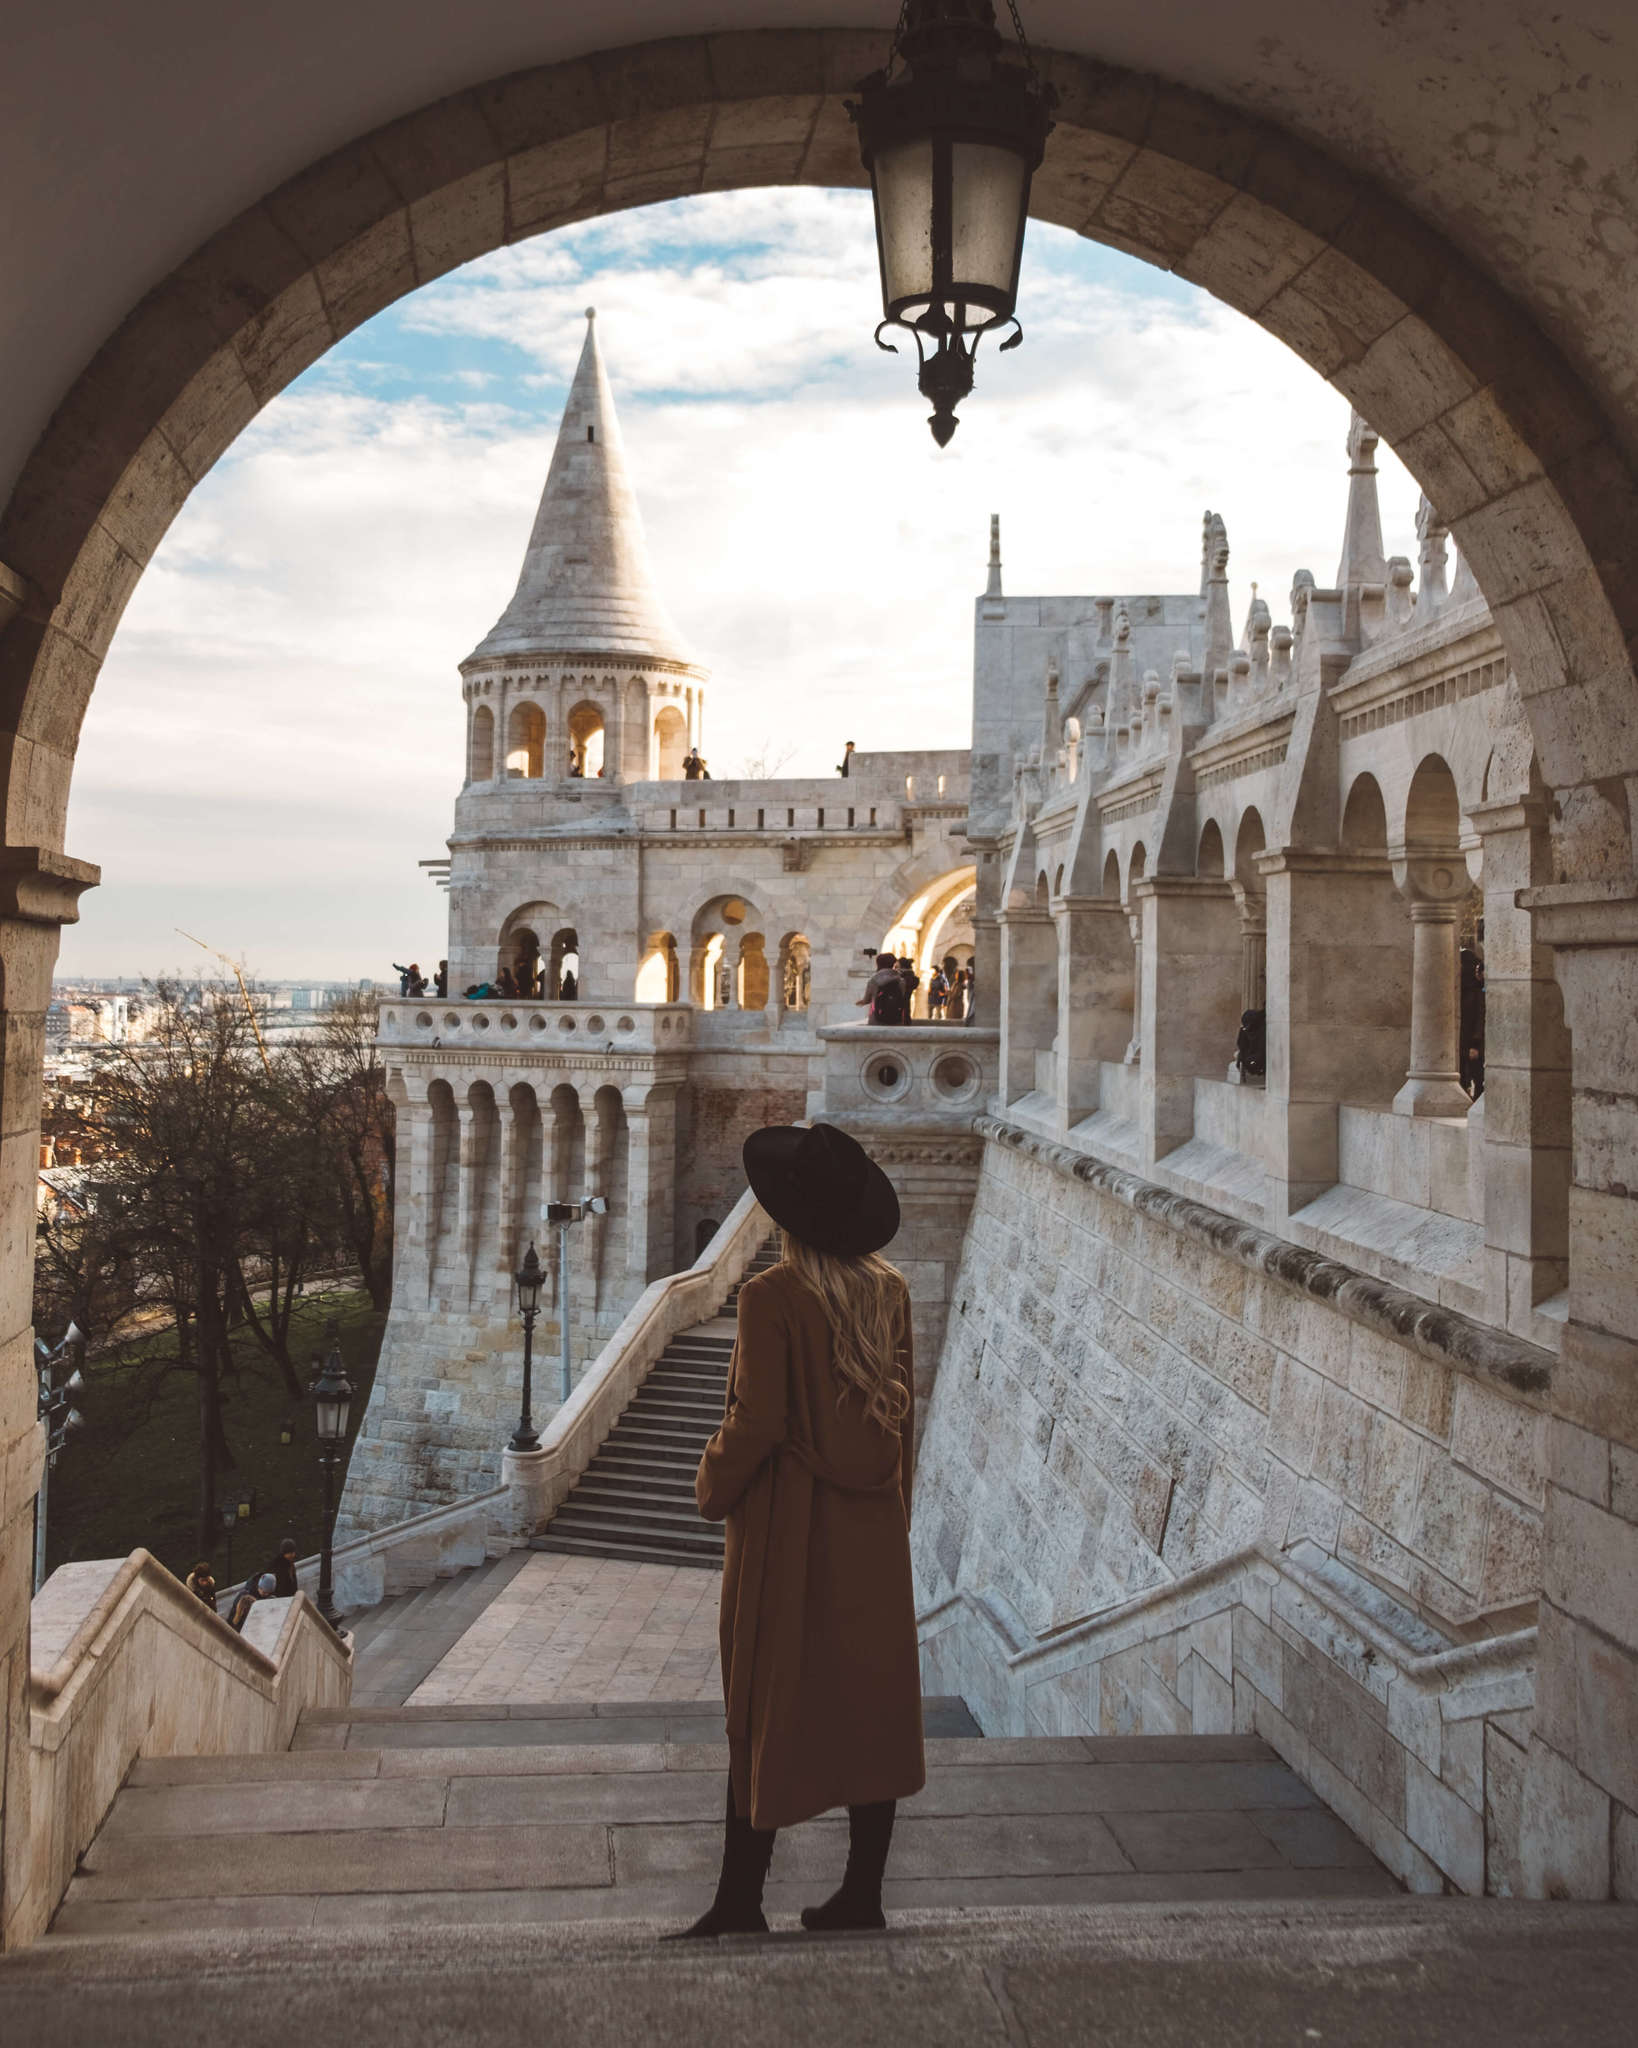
column 1135, row 1391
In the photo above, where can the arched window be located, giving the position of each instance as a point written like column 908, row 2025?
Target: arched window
column 1208, row 861
column 526, row 741
column 563, row 968
column 585, row 741
column 658, row 977
column 520, row 957
column 670, row 743
column 480, row 755
column 753, row 972
column 795, row 972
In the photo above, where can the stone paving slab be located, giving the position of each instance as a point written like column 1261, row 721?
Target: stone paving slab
column 999, row 1845
column 616, row 1799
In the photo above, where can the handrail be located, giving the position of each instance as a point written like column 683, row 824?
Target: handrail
column 131, row 1664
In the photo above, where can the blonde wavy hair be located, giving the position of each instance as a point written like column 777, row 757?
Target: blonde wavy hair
column 861, row 1299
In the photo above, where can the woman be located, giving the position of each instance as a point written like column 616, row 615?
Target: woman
column 811, row 1471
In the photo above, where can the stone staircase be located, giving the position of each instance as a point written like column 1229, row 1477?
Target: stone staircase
column 636, row 1498
column 417, row 1818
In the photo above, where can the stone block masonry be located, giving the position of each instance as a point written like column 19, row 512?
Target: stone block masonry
column 1179, row 1476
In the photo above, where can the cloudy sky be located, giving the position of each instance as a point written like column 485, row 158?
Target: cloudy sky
column 277, row 736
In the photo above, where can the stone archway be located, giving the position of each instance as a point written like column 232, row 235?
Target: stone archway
column 1483, row 409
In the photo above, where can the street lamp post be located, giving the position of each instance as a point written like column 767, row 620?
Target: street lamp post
column 528, row 1278
column 332, row 1400
column 53, row 1406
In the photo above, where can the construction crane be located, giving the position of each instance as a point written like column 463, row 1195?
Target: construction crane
column 239, row 977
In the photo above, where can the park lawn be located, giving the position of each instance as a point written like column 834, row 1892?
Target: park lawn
column 130, row 1477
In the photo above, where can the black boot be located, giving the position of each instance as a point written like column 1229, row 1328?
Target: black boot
column 737, row 1907
column 857, row 1907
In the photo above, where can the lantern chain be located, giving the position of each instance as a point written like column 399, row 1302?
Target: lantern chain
column 1023, row 40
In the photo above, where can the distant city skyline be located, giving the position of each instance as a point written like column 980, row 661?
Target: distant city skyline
column 277, row 736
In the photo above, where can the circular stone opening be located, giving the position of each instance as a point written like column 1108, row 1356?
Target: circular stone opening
column 955, row 1077
column 626, row 1024
column 480, row 1023
column 537, row 1023
column 451, row 1021
column 594, row 1024
column 565, row 1022
column 886, row 1076
column 509, row 1022
column 423, row 1020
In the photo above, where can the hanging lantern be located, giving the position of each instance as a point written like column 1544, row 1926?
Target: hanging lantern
column 951, row 133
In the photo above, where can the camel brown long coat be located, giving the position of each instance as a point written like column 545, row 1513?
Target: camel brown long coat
column 819, row 1661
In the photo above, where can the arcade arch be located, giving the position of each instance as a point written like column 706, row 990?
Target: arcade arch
column 1486, row 412
column 670, row 743
column 586, row 740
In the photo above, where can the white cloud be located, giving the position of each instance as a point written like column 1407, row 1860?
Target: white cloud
column 277, row 736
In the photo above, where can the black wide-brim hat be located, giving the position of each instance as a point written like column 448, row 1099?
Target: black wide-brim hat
column 823, row 1187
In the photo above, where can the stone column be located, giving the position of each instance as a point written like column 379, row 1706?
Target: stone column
column 987, row 940
column 1524, row 1133
column 1191, row 999
column 1029, row 996
column 1436, row 887
column 1094, row 998
column 651, row 1177
column 1338, row 966
column 469, row 1187
column 1579, row 1833
column 513, row 1164
column 39, row 893
column 1133, row 1055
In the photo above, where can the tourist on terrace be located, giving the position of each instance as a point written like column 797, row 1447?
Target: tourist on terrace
column 884, row 992
column 411, row 981
column 201, row 1583
column 844, row 766
column 440, row 981
column 694, row 768
column 911, row 980
column 505, row 985
column 938, row 994
column 811, row 1473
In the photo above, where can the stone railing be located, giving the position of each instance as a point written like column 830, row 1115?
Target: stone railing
column 407, row 1555
column 541, row 1479
column 498, row 1026
column 909, row 1073
column 126, row 1663
column 1428, row 1773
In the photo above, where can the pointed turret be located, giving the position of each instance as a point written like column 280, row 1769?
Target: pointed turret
column 1362, row 558
column 586, row 586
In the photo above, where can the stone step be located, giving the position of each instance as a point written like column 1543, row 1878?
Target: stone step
column 604, row 1489
column 394, row 1823
column 674, row 1519
column 634, row 1551
column 633, row 1524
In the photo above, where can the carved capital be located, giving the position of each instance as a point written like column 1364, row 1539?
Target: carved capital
column 38, row 886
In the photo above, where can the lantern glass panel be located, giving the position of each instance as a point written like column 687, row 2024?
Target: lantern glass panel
column 904, row 225
column 331, row 1414
column 986, row 222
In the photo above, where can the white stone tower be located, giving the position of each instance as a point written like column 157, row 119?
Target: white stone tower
column 583, row 677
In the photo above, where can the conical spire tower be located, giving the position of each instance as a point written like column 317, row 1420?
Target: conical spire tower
column 586, row 586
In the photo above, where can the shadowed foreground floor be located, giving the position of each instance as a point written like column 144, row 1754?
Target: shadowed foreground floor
column 1388, row 1973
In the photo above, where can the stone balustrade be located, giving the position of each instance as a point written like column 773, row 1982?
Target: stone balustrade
column 125, row 1662
column 492, row 1027
column 895, row 1076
